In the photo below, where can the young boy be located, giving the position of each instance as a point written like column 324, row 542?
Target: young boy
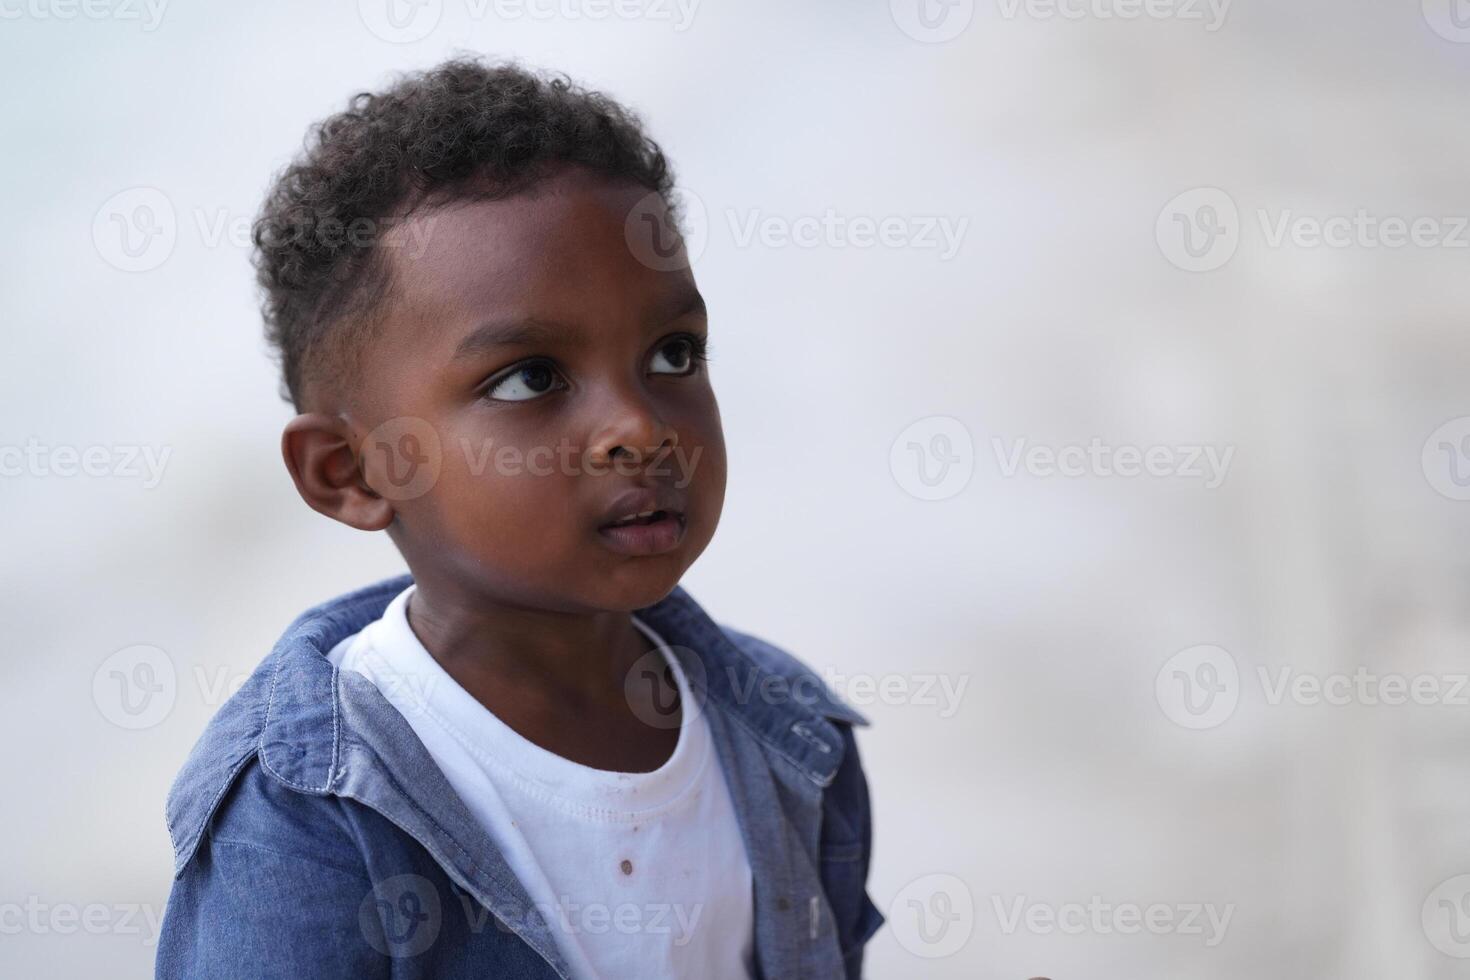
column 535, row 756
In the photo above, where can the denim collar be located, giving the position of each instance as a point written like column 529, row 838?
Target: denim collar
column 300, row 741
column 328, row 733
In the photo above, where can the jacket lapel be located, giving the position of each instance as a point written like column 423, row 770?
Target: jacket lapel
column 382, row 755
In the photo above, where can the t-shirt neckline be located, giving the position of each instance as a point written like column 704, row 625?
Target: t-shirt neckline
column 425, row 685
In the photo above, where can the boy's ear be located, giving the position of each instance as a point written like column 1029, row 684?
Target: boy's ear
column 320, row 453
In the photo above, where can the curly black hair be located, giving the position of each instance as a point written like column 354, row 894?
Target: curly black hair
column 461, row 129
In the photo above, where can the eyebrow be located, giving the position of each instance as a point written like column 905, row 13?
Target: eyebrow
column 517, row 332
column 536, row 332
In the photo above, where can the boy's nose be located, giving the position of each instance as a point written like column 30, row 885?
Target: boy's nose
column 633, row 431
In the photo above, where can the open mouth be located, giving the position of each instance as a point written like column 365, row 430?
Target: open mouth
column 645, row 518
column 650, row 532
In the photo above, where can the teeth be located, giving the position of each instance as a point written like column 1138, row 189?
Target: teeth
column 634, row 517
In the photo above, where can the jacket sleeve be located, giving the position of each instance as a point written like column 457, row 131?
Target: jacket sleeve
column 846, row 849
column 267, row 896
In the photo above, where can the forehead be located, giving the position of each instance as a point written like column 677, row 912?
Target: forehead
column 557, row 250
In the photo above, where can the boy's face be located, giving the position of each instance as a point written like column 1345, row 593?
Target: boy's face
column 556, row 380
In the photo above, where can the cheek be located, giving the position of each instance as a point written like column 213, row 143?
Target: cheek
column 714, row 464
column 497, row 495
column 703, row 466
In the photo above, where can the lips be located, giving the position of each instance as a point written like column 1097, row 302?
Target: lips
column 643, row 519
column 642, row 506
column 643, row 522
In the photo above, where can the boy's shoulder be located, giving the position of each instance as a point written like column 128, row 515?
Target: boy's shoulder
column 285, row 717
column 799, row 681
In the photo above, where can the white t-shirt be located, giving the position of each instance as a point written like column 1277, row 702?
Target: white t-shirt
column 638, row 874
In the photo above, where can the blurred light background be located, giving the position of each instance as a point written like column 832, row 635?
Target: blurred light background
column 1130, row 192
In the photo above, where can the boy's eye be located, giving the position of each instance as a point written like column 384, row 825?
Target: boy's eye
column 678, row 356
column 524, row 383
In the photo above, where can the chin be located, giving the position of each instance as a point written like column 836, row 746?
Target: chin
column 641, row 583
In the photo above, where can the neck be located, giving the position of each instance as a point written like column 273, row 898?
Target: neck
column 487, row 645
column 558, row 678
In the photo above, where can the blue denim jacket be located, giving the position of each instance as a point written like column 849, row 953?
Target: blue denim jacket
column 315, row 837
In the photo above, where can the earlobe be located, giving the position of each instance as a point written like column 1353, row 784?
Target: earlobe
column 321, row 456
